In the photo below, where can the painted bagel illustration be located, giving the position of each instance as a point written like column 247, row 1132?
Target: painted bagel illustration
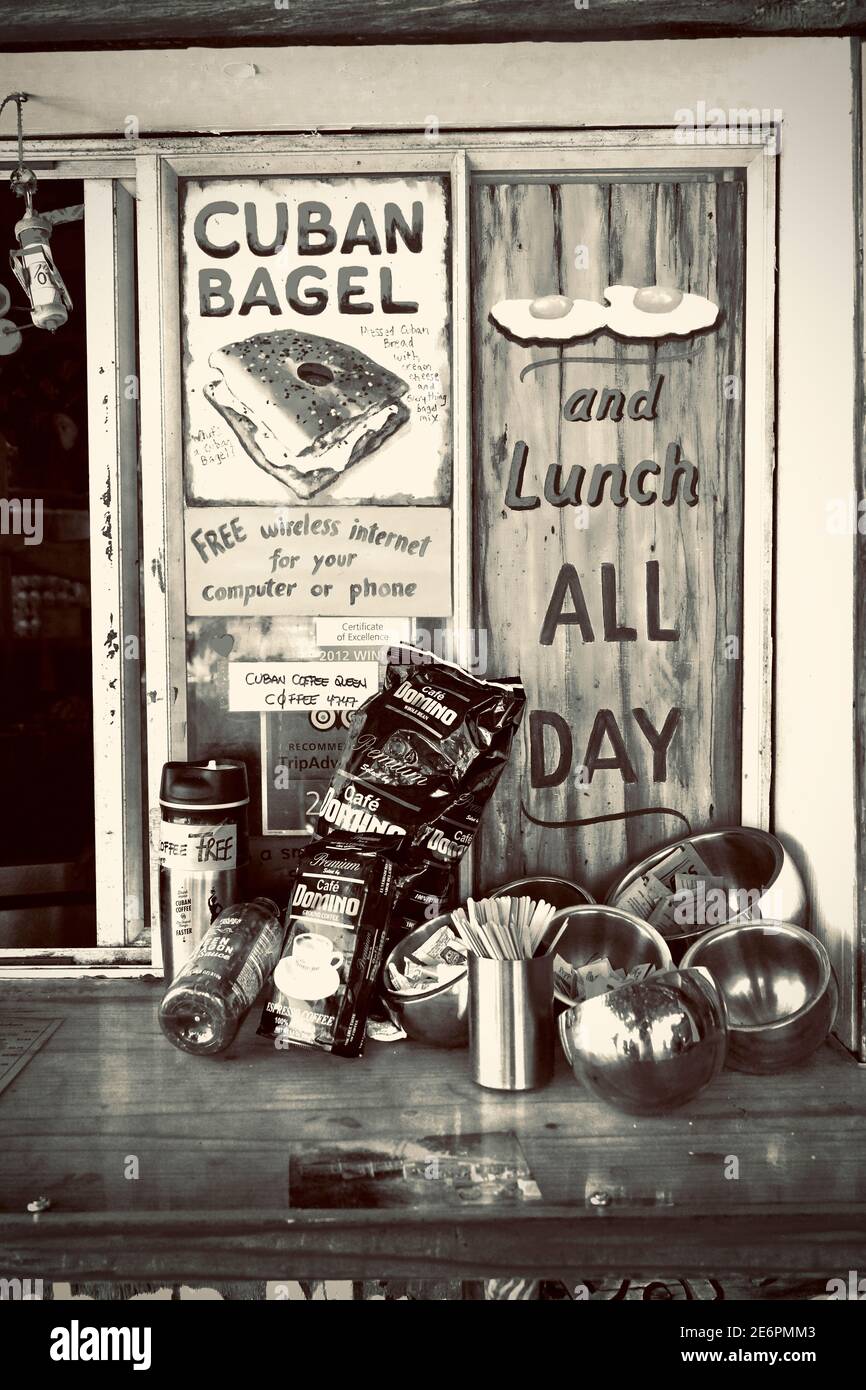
column 305, row 408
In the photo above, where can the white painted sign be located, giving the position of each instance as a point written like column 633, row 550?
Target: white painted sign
column 363, row 632
column 269, row 686
column 314, row 561
column 315, row 340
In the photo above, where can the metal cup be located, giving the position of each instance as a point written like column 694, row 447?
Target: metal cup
column 511, row 1027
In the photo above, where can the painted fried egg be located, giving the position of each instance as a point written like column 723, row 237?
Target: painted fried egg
column 549, row 318
column 657, row 311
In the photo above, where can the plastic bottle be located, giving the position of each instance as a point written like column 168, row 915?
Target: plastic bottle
column 205, row 1004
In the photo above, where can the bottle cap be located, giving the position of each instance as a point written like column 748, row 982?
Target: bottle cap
column 216, row 785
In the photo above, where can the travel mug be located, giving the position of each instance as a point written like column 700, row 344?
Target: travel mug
column 203, row 851
column 511, row 1028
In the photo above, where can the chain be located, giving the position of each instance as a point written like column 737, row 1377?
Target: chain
column 19, row 98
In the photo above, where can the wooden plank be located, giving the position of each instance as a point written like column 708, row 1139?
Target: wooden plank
column 76, row 955
column 79, row 166
column 507, row 563
column 161, row 489
column 213, row 1139
column 543, row 149
column 529, row 239
column 64, row 23
column 461, row 414
column 556, row 1245
column 114, row 566
column 346, row 158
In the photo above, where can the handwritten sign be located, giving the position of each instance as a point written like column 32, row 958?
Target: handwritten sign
column 609, row 418
column 316, row 345
column 316, row 561
column 265, row 686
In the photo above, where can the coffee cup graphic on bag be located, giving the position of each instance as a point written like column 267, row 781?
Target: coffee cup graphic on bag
column 311, row 970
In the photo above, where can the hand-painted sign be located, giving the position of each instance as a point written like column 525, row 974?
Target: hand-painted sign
column 608, row 447
column 316, row 560
column 316, row 340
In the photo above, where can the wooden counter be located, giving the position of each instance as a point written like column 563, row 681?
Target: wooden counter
column 213, row 1140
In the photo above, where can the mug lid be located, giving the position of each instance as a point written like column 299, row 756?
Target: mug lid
column 210, row 785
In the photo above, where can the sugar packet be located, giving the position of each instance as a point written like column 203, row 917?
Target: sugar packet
column 595, row 977
column 680, row 859
column 440, row 960
column 643, row 896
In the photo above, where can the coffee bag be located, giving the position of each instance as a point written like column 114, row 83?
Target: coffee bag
column 421, row 762
column 432, row 734
column 336, row 930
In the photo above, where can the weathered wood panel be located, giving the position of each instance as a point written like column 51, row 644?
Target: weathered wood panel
column 116, row 618
column 578, row 238
column 62, row 23
column 209, row 1199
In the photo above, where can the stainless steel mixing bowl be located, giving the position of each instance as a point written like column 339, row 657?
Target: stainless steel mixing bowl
column 559, row 892
column 440, row 1016
column 651, row 1046
column 595, row 930
column 779, row 989
column 751, row 861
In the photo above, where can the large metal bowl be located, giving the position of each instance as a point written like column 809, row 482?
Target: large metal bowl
column 559, row 892
column 751, row 861
column 779, row 989
column 596, row 930
column 439, row 1017
column 648, row 1047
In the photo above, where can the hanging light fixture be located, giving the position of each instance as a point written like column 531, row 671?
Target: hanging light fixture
column 33, row 264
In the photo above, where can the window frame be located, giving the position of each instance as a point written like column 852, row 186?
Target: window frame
column 119, row 792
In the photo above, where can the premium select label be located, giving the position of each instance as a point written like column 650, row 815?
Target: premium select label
column 337, row 928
